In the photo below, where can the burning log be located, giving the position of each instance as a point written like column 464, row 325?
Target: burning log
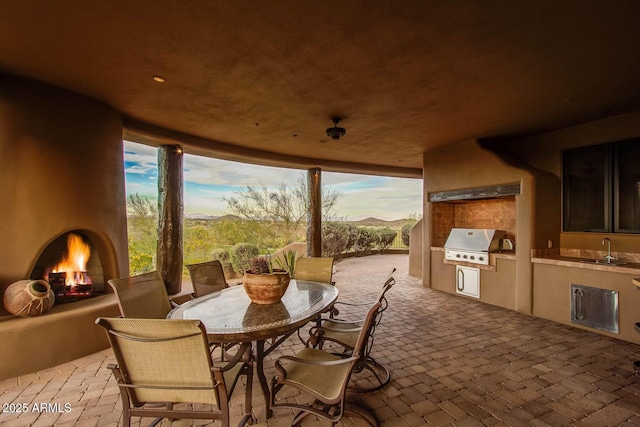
column 68, row 278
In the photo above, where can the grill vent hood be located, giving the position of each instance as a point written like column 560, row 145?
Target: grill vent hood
column 478, row 193
column 474, row 239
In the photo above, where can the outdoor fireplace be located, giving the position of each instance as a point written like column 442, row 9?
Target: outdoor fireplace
column 71, row 265
column 62, row 169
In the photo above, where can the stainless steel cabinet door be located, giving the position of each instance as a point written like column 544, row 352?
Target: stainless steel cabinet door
column 468, row 281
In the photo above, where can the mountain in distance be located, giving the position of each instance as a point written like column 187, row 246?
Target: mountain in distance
column 366, row 222
column 198, row 215
column 228, row 217
column 201, row 216
column 375, row 222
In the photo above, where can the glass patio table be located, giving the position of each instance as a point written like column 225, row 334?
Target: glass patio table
column 230, row 316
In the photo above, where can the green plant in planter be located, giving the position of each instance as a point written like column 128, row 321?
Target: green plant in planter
column 287, row 262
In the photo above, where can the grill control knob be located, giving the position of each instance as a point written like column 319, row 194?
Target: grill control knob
column 481, row 258
column 472, row 257
column 457, row 255
column 464, row 256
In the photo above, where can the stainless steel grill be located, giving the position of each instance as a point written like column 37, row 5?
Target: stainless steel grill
column 472, row 244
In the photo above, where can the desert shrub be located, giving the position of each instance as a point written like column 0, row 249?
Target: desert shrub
column 386, row 236
column 224, row 256
column 352, row 236
column 365, row 241
column 335, row 236
column 139, row 261
column 241, row 255
column 405, row 231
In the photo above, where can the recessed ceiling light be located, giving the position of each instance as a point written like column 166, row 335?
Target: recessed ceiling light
column 159, row 79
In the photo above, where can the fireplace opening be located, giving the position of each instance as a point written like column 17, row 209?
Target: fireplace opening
column 71, row 265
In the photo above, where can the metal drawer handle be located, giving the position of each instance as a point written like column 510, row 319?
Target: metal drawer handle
column 460, row 280
column 578, row 295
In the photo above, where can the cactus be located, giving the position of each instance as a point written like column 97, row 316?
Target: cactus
column 260, row 265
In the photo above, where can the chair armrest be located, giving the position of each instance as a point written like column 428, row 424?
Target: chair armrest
column 243, row 355
column 173, row 303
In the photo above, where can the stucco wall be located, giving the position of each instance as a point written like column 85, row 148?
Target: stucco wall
column 415, row 249
column 61, row 168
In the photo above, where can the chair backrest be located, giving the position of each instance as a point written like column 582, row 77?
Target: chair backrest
column 162, row 360
column 142, row 297
column 314, row 269
column 207, row 277
column 365, row 338
column 388, row 284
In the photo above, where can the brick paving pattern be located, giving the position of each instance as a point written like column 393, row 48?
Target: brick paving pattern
column 454, row 362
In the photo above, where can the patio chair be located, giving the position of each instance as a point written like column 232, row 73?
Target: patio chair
column 315, row 269
column 336, row 311
column 168, row 361
column 142, row 297
column 323, row 376
column 342, row 335
column 207, row 277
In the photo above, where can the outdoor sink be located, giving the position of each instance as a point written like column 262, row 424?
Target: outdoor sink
column 602, row 261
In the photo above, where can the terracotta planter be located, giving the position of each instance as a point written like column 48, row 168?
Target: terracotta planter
column 28, row 298
column 266, row 288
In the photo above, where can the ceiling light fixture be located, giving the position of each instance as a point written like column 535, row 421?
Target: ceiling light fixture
column 335, row 132
column 159, row 79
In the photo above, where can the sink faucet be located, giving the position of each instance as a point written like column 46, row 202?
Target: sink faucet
column 609, row 258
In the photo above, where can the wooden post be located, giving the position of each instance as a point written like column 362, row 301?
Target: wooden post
column 170, row 210
column 314, row 215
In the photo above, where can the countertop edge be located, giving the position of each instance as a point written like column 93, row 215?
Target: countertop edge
column 630, row 268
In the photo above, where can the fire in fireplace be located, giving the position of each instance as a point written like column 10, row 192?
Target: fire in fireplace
column 68, row 278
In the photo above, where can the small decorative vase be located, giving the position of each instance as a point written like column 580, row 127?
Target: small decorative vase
column 28, row 298
column 266, row 288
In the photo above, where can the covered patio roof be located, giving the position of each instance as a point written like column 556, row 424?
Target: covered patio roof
column 260, row 81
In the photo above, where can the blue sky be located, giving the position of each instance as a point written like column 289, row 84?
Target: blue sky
column 207, row 181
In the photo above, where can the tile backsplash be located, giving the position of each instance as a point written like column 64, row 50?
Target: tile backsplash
column 498, row 214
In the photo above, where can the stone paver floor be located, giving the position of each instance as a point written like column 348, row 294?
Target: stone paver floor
column 454, row 361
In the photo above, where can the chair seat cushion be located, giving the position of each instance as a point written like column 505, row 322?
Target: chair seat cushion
column 326, row 381
column 333, row 333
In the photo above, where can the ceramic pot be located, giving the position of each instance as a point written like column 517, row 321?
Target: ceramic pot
column 28, row 298
column 266, row 288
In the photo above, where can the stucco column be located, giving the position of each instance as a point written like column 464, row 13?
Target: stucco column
column 314, row 215
column 170, row 210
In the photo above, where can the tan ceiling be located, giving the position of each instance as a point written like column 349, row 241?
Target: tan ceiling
column 244, row 77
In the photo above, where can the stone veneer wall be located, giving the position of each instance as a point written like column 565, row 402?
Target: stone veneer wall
column 496, row 214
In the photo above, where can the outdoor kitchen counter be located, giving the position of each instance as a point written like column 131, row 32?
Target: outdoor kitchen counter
column 493, row 256
column 587, row 264
column 555, row 274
